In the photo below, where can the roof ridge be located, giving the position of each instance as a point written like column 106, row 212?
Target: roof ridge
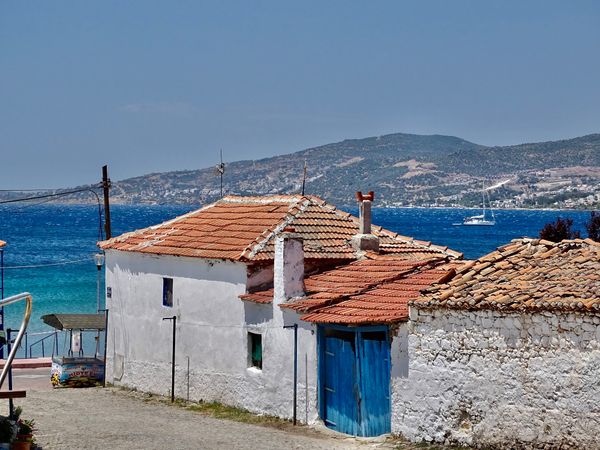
column 379, row 230
column 258, row 244
column 264, row 199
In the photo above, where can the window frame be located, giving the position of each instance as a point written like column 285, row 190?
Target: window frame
column 167, row 297
column 255, row 338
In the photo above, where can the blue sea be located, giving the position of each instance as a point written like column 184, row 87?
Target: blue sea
column 50, row 247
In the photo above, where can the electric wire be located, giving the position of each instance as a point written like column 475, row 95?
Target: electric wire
column 50, row 197
column 30, row 190
column 61, row 263
column 37, row 197
column 45, row 199
column 22, row 209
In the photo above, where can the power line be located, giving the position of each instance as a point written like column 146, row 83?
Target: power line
column 30, row 205
column 62, row 263
column 37, row 197
column 49, row 197
column 30, row 190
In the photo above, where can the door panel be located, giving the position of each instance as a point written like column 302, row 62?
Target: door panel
column 355, row 381
column 374, row 382
column 339, row 389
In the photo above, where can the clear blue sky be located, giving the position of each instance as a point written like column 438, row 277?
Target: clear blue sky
column 151, row 86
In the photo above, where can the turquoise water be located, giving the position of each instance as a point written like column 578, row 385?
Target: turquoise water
column 49, row 234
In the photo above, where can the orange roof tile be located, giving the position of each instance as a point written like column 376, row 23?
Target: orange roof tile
column 244, row 228
column 259, row 297
column 527, row 274
column 364, row 292
column 384, row 303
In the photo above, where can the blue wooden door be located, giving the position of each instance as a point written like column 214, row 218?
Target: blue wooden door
column 355, row 380
column 339, row 383
column 374, row 383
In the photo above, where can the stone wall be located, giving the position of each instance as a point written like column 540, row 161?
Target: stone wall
column 492, row 379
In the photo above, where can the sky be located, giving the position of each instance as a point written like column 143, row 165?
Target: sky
column 151, row 86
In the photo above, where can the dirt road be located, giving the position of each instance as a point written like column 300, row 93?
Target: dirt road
column 109, row 419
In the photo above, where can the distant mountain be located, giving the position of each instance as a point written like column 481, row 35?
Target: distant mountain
column 403, row 169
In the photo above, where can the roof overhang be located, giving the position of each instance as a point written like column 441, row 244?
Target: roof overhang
column 75, row 321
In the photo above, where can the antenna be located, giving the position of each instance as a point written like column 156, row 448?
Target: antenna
column 220, row 170
column 304, row 178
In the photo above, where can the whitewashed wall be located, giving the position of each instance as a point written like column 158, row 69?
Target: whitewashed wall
column 499, row 380
column 212, row 327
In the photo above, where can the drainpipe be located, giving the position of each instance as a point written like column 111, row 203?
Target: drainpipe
column 295, row 327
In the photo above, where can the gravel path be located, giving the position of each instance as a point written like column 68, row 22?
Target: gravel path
column 110, row 419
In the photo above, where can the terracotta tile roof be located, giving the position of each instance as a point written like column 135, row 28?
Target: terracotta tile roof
column 259, row 297
column 364, row 292
column 244, row 228
column 526, row 274
column 333, row 285
column 386, row 303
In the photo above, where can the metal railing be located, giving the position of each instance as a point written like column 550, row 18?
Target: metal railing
column 41, row 343
column 22, row 329
column 49, row 344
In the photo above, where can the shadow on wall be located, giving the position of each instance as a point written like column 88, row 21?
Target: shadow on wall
column 257, row 313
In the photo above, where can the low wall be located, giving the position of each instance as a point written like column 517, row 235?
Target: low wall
column 492, row 379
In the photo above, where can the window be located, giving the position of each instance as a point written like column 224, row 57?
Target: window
column 255, row 350
column 168, row 292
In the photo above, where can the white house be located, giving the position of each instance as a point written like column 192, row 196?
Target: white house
column 502, row 352
column 234, row 273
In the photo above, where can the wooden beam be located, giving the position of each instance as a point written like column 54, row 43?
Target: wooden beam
column 13, row 394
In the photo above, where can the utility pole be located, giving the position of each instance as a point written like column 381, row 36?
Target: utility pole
column 106, row 188
column 220, row 169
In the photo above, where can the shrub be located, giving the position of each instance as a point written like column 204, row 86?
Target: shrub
column 593, row 226
column 559, row 230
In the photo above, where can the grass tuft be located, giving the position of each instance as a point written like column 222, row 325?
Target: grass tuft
column 220, row 411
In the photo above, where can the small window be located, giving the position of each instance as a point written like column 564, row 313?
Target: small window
column 255, row 350
column 168, row 292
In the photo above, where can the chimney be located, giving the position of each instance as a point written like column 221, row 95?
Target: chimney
column 364, row 208
column 288, row 271
column 365, row 240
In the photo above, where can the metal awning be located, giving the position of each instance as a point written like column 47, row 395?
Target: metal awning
column 75, row 321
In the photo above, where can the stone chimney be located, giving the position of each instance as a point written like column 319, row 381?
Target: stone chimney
column 365, row 240
column 288, row 270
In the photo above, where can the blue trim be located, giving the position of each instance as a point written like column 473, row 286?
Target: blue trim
column 385, row 328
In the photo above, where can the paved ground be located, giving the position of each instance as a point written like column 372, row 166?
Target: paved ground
column 31, row 379
column 111, row 419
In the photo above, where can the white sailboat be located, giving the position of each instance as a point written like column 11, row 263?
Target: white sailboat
column 481, row 219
